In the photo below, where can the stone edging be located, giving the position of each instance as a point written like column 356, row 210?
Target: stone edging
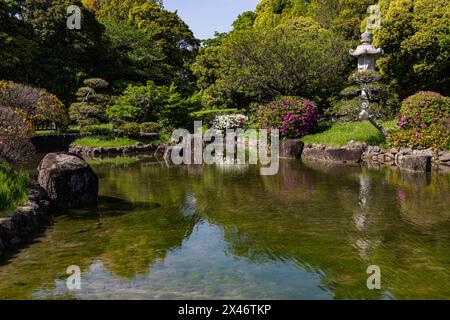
column 26, row 220
column 354, row 152
column 96, row 151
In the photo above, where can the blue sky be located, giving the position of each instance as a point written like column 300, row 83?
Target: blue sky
column 206, row 16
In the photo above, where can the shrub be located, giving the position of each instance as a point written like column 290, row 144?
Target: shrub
column 130, row 130
column 149, row 99
column 90, row 108
column 86, row 114
column 224, row 122
column 101, row 129
column 38, row 104
column 293, row 116
column 15, row 131
column 122, row 113
column 96, row 83
column 423, row 122
column 208, row 116
column 150, row 127
column 423, row 109
column 436, row 137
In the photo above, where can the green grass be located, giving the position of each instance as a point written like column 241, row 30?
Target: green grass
column 341, row 134
column 13, row 188
column 118, row 161
column 106, row 141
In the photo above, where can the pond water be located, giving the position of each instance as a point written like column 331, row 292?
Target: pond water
column 225, row 232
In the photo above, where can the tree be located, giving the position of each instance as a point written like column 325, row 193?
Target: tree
column 17, row 46
column 298, row 58
column 64, row 56
column 92, row 99
column 415, row 35
column 150, row 43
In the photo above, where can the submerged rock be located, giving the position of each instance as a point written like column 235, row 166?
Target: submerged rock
column 69, row 181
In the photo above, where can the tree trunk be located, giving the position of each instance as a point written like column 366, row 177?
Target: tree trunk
column 378, row 126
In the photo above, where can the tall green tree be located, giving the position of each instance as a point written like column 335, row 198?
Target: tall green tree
column 415, row 35
column 298, row 57
column 64, row 56
column 17, row 46
column 150, row 43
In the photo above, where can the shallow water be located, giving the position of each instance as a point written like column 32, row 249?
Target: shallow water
column 228, row 233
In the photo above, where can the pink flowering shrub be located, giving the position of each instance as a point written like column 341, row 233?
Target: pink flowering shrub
column 293, row 116
column 423, row 122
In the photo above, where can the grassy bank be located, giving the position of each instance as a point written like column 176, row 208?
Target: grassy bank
column 13, row 188
column 106, row 141
column 341, row 134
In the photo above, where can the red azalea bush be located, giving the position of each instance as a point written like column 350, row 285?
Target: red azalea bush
column 293, row 116
column 423, row 121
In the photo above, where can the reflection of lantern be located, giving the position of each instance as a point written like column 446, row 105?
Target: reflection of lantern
column 366, row 53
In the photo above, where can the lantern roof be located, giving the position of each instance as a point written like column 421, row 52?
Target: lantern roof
column 366, row 48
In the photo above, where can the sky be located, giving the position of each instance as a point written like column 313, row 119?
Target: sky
column 204, row 17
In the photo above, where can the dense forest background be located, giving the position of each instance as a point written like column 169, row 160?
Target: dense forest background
column 288, row 47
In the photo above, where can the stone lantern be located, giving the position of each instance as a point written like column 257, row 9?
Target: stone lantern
column 366, row 54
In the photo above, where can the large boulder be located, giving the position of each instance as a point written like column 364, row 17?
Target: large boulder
column 291, row 149
column 69, row 181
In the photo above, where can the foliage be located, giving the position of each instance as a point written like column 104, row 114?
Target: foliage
column 423, row 109
column 435, row 136
column 122, row 113
column 15, row 132
column 147, row 41
column 106, row 141
column 423, row 122
column 13, row 187
column 416, row 37
column 130, row 130
column 298, row 57
column 38, row 104
column 383, row 100
column 207, row 116
column 90, row 108
column 163, row 104
column 293, row 116
column 224, row 122
column 336, row 134
column 150, row 127
column 100, row 129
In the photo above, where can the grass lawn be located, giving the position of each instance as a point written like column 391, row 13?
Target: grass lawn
column 106, row 141
column 13, row 188
column 341, row 134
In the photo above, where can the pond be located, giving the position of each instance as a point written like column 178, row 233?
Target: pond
column 226, row 232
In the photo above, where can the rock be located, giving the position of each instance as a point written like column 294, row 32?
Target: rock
column 69, row 181
column 405, row 151
column 393, row 151
column 339, row 154
column 168, row 156
column 415, row 163
column 445, row 157
column 291, row 149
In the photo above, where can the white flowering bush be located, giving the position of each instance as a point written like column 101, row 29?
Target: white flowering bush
column 232, row 121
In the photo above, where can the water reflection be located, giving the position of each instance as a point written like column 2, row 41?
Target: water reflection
column 227, row 232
